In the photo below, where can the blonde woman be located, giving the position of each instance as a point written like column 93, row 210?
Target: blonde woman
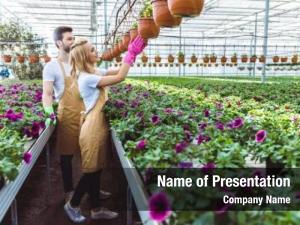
column 94, row 130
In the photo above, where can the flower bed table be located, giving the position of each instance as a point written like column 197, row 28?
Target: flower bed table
column 10, row 190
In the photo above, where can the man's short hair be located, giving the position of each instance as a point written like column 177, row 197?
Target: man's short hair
column 58, row 33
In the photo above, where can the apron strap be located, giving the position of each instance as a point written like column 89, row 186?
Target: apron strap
column 62, row 68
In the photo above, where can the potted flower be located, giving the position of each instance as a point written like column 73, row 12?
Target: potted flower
column 6, row 55
column 144, row 58
column 234, row 58
column 162, row 16
column 187, row 8
column 244, row 58
column 213, row 58
column 295, row 59
column 45, row 55
column 194, row 59
column 206, row 59
column 253, row 59
column 118, row 59
column 262, row 59
column 157, row 58
column 171, row 58
column 125, row 41
column 147, row 28
column 223, row 60
column 181, row 57
column 275, row 59
column 33, row 57
column 121, row 46
column 284, row 59
column 133, row 32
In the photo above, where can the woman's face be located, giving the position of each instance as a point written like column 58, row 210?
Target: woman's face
column 91, row 52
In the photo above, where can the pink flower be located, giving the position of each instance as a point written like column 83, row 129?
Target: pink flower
column 160, row 208
column 27, row 157
column 141, row 145
column 180, row 147
column 206, row 113
column 260, row 136
column 155, row 119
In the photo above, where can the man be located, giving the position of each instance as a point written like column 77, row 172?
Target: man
column 57, row 79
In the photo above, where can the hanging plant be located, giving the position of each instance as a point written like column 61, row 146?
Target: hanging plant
column 206, row 59
column 133, row 32
column 213, row 58
column 171, row 59
column 186, row 8
column 157, row 58
column 234, row 58
column 144, row 58
column 181, row 57
column 244, row 58
column 253, row 59
column 125, row 42
column 223, row 59
column 262, row 59
column 275, row 59
column 147, row 28
column 295, row 59
column 194, row 59
column 284, row 59
column 162, row 15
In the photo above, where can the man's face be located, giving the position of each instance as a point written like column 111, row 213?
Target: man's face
column 67, row 41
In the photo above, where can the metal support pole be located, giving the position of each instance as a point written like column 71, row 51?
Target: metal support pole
column 266, row 33
column 48, row 170
column 202, row 52
column 250, row 55
column 105, row 27
column 14, row 213
column 180, row 49
column 255, row 42
column 129, row 206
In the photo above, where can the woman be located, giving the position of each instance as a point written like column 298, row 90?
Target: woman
column 94, row 130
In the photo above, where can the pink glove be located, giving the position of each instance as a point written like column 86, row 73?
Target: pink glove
column 135, row 47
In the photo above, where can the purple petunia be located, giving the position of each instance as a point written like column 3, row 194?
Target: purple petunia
column 206, row 112
column 159, row 206
column 179, row 147
column 185, row 165
column 220, row 126
column 141, row 145
column 202, row 139
column 208, row 167
column 155, row 119
column 260, row 136
column 27, row 157
column 236, row 123
column 168, row 110
column 202, row 126
column 119, row 104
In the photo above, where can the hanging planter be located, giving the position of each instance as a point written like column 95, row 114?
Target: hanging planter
column 33, row 58
column 284, row 59
column 234, row 59
column 223, row 60
column 118, row 59
column 213, row 58
column 194, row 59
column 186, row 8
column 262, row 59
column 275, row 59
column 295, row 59
column 21, row 59
column 181, row 58
column 162, row 16
column 133, row 32
column 125, row 41
column 146, row 27
column 206, row 59
column 157, row 59
column 122, row 47
column 7, row 58
column 144, row 59
column 253, row 59
column 244, row 58
column 171, row 59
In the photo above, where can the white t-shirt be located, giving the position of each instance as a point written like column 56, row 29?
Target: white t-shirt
column 89, row 92
column 52, row 72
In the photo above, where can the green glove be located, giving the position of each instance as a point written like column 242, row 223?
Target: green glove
column 51, row 120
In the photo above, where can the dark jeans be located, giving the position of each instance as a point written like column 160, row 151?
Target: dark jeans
column 89, row 183
column 67, row 173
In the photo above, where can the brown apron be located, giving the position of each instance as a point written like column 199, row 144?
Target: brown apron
column 68, row 116
column 94, row 137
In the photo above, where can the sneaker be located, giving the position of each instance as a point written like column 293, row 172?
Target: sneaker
column 103, row 213
column 104, row 195
column 74, row 214
column 68, row 196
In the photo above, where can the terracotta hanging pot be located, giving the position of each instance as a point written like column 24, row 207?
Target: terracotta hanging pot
column 244, row 59
column 194, row 59
column 21, row 58
column 181, row 59
column 133, row 34
column 213, row 59
column 122, row 47
column 186, row 8
column 126, row 41
column 295, row 59
column 157, row 59
column 162, row 16
column 171, row 59
column 144, row 59
column 147, row 28
column 33, row 58
column 284, row 59
column 206, row 59
column 7, row 58
column 253, row 59
column 276, row 59
column 262, row 59
column 47, row 58
column 223, row 60
column 234, row 59
column 118, row 59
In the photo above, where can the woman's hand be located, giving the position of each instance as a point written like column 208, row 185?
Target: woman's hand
column 135, row 48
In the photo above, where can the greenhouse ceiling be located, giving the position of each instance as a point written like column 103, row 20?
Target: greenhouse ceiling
column 227, row 22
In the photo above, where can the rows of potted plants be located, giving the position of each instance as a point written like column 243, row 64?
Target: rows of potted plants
column 21, row 119
column 162, row 126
